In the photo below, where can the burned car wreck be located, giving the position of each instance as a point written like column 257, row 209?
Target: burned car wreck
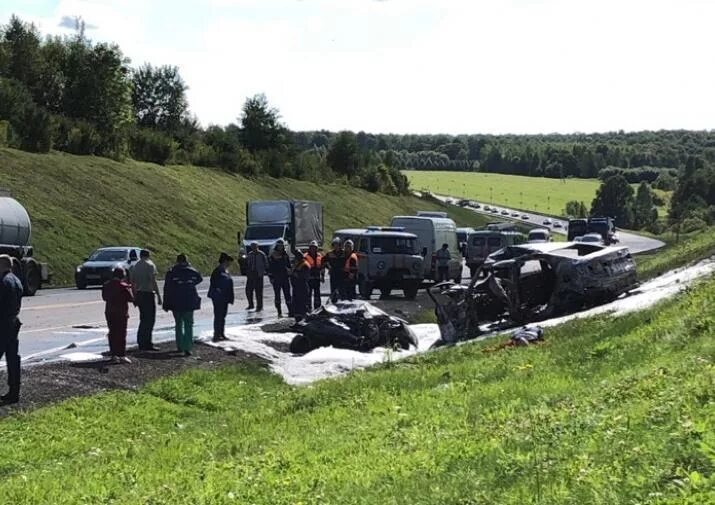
column 532, row 282
column 355, row 325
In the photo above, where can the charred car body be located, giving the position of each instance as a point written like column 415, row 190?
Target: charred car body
column 532, row 282
column 355, row 325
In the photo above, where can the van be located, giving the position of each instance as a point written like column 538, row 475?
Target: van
column 482, row 243
column 539, row 235
column 431, row 233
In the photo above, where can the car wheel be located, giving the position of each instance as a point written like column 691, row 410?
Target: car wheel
column 411, row 291
column 385, row 291
column 81, row 284
column 33, row 279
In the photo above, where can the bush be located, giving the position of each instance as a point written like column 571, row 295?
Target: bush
column 666, row 181
column 77, row 137
column 152, row 146
column 639, row 174
column 4, row 133
column 31, row 126
column 691, row 224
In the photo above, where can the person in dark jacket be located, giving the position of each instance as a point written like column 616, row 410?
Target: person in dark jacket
column 334, row 261
column 117, row 293
column 279, row 275
column 10, row 303
column 299, row 281
column 256, row 268
column 182, row 299
column 221, row 294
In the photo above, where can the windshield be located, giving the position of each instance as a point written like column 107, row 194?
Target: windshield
column 478, row 241
column 264, row 232
column 538, row 236
column 393, row 245
column 109, row 255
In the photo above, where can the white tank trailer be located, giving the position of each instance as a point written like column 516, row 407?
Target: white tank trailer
column 15, row 237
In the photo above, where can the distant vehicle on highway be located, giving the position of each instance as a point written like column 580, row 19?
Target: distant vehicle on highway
column 525, row 217
column 592, row 238
column 514, row 214
column 487, row 208
column 476, row 205
column 547, row 222
column 98, row 267
column 495, row 210
column 504, row 212
column 557, row 224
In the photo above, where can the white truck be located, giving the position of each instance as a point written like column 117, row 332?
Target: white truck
column 431, row 233
column 297, row 222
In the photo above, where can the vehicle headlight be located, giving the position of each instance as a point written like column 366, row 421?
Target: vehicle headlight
column 79, row 269
column 381, row 265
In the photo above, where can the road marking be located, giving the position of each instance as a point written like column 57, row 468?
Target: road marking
column 38, row 330
column 76, row 304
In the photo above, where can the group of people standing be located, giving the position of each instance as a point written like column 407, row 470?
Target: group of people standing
column 180, row 296
column 296, row 282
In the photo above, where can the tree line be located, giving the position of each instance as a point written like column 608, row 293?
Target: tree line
column 73, row 95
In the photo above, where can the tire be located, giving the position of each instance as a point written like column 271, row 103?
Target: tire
column 411, row 291
column 81, row 284
column 472, row 271
column 385, row 291
column 32, row 278
column 365, row 289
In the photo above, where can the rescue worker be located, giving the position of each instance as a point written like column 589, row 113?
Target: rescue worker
column 350, row 271
column 279, row 268
column 315, row 263
column 117, row 293
column 145, row 289
column 10, row 304
column 256, row 268
column 443, row 259
column 182, row 299
column 299, row 281
column 221, row 294
column 334, row 261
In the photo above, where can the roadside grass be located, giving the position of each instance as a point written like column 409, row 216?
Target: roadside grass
column 79, row 203
column 606, row 411
column 688, row 249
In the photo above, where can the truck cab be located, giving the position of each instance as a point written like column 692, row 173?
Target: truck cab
column 388, row 258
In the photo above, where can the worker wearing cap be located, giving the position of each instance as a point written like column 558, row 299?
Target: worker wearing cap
column 334, row 261
column 350, row 271
column 314, row 260
column 221, row 294
column 256, row 268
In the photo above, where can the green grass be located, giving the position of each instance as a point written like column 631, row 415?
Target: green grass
column 607, row 411
column 79, row 203
column 539, row 194
column 687, row 249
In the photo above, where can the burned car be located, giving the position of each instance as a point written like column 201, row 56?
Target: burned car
column 355, row 325
column 533, row 282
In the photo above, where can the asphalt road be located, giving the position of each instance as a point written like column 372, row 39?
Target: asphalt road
column 636, row 243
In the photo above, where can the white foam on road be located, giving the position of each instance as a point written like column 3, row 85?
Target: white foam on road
column 330, row 362
column 318, row 364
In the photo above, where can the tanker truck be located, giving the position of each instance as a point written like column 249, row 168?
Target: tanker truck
column 15, row 235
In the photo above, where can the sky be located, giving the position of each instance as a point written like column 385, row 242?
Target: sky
column 421, row 66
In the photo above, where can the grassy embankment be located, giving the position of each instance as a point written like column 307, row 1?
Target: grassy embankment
column 687, row 249
column 78, row 203
column 539, row 194
column 607, row 411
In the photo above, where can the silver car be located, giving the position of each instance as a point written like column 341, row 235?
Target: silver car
column 98, row 267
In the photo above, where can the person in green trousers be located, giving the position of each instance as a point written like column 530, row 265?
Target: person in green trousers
column 182, row 299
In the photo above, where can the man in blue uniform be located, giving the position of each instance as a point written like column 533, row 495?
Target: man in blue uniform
column 10, row 303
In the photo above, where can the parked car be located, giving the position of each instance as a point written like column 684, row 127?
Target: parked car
column 98, row 267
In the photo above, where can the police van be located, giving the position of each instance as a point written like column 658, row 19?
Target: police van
column 431, row 233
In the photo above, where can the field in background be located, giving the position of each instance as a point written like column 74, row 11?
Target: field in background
column 539, row 194
column 606, row 411
column 78, row 203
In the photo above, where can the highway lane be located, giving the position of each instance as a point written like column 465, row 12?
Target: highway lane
column 636, row 243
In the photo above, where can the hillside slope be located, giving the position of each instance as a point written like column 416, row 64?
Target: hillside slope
column 78, row 203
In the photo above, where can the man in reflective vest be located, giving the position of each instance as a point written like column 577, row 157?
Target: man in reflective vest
column 314, row 260
column 350, row 271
